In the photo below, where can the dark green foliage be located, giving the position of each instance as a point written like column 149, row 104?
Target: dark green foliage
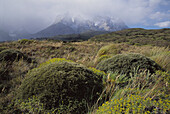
column 137, row 36
column 11, row 55
column 4, row 78
column 3, row 72
column 62, row 84
column 125, row 63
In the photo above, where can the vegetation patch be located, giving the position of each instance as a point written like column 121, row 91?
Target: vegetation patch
column 25, row 41
column 134, row 104
column 54, row 60
column 145, row 93
column 109, row 49
column 2, row 48
column 116, row 86
column 11, row 55
column 125, row 63
column 137, row 36
column 62, row 84
column 102, row 58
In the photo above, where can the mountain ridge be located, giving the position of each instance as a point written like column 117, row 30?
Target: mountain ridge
column 66, row 24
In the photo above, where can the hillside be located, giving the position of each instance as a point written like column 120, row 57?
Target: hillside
column 74, row 37
column 137, row 36
column 39, row 76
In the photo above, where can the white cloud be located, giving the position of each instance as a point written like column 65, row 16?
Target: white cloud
column 163, row 24
column 160, row 15
column 154, row 3
column 37, row 14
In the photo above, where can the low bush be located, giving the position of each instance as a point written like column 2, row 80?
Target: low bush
column 125, row 63
column 11, row 55
column 103, row 57
column 62, row 84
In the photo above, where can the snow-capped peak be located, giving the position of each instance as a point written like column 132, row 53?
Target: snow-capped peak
column 99, row 23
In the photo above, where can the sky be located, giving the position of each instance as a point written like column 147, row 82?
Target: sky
column 34, row 15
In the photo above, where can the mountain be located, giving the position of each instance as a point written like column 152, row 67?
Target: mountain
column 55, row 29
column 4, row 36
column 67, row 24
column 7, row 35
column 21, row 33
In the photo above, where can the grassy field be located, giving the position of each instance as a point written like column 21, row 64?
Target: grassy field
column 143, row 92
column 137, row 36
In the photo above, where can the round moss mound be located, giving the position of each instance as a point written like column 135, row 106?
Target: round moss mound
column 125, row 63
column 62, row 84
column 54, row 60
column 11, row 55
column 102, row 58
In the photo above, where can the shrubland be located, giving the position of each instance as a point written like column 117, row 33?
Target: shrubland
column 49, row 76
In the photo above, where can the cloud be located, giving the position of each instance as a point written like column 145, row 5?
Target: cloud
column 163, row 24
column 154, row 3
column 35, row 15
column 160, row 15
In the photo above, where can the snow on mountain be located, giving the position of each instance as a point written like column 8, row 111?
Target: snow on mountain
column 94, row 23
column 67, row 24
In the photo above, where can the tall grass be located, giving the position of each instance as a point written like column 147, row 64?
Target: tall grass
column 160, row 55
column 141, row 93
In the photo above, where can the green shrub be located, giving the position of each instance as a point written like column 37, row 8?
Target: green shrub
column 125, row 63
column 31, row 105
column 62, row 84
column 101, row 58
column 99, row 73
column 11, row 55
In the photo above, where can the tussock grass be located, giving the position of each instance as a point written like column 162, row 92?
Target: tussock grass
column 160, row 55
column 112, row 49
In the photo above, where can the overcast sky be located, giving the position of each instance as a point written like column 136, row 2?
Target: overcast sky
column 34, row 15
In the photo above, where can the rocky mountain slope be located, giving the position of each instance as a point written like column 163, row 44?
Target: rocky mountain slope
column 66, row 24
